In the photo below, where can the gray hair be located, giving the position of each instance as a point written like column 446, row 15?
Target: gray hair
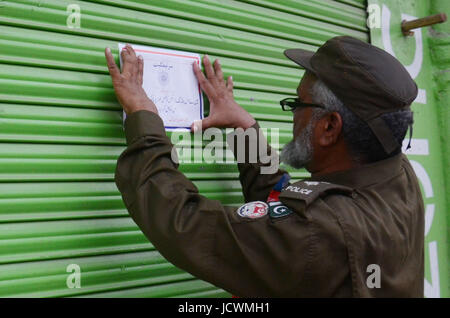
column 362, row 143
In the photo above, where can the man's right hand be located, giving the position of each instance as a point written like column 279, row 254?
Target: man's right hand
column 224, row 111
column 128, row 84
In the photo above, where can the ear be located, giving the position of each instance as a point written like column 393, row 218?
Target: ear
column 328, row 129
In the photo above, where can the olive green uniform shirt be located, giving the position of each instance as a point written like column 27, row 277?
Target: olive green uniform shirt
column 342, row 226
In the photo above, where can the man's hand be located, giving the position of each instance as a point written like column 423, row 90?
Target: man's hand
column 224, row 111
column 128, row 84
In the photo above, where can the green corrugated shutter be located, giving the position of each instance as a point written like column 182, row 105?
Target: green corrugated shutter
column 61, row 130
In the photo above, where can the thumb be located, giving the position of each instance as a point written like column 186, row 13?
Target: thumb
column 200, row 125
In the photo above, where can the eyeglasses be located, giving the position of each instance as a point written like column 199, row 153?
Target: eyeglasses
column 293, row 103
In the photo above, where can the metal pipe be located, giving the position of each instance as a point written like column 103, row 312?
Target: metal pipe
column 407, row 26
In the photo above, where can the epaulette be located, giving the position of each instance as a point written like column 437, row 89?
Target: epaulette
column 309, row 191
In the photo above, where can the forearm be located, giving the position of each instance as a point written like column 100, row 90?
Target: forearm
column 258, row 163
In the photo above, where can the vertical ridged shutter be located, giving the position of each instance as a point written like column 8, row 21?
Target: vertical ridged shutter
column 61, row 131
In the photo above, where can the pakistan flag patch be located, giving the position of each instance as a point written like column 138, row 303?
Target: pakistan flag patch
column 277, row 209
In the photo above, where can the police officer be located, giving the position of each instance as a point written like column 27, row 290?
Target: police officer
column 355, row 228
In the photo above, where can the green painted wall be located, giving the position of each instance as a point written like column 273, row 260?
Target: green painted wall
column 426, row 55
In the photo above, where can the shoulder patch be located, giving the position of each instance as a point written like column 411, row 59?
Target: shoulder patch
column 278, row 210
column 253, row 210
column 309, row 191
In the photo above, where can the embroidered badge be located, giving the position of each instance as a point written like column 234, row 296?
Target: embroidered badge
column 299, row 190
column 253, row 210
column 277, row 209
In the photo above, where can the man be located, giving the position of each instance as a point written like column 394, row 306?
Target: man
column 355, row 228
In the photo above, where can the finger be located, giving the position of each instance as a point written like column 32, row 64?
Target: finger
column 195, row 126
column 131, row 51
column 230, row 84
column 127, row 66
column 112, row 67
column 208, row 68
column 131, row 64
column 200, row 125
column 140, row 69
column 134, row 59
column 218, row 71
column 207, row 123
column 203, row 81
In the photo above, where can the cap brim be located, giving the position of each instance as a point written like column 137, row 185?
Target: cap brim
column 301, row 57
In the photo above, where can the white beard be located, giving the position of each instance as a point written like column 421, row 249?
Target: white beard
column 298, row 152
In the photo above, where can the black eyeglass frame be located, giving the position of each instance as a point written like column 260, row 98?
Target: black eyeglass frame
column 290, row 104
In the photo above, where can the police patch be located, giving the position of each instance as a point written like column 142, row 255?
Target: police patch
column 277, row 210
column 253, row 210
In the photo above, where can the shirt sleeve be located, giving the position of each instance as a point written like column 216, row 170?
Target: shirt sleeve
column 258, row 166
column 197, row 234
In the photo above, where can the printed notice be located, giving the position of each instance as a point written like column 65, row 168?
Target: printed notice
column 170, row 83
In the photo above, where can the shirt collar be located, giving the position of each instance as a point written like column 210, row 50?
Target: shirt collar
column 365, row 175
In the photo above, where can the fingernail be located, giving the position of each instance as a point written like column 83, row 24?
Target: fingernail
column 231, row 78
column 218, row 62
column 206, row 56
column 195, row 127
column 140, row 57
column 108, row 50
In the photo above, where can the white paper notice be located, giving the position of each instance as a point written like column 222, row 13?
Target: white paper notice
column 170, row 83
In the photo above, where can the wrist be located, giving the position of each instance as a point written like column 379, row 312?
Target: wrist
column 144, row 106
